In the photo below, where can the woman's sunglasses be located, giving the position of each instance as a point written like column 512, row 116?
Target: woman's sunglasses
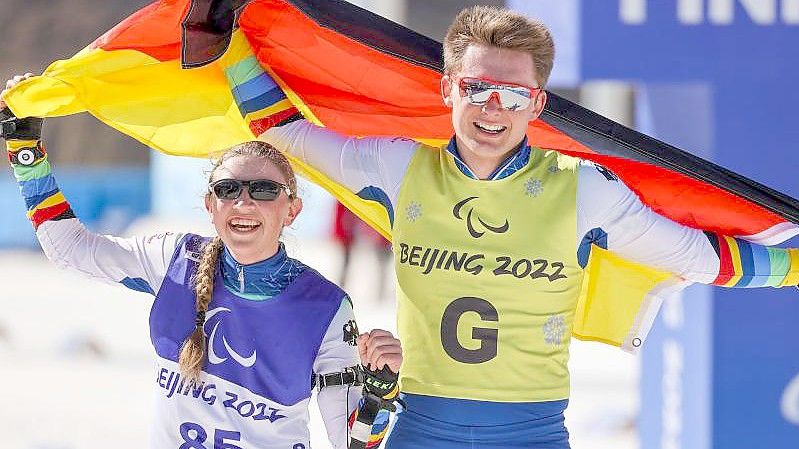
column 260, row 189
column 513, row 97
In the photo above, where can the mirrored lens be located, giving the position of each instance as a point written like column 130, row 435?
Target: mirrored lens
column 227, row 189
column 512, row 98
column 479, row 96
column 476, row 90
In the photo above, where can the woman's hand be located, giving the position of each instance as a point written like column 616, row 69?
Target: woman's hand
column 379, row 348
column 11, row 83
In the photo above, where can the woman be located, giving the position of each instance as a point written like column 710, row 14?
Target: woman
column 242, row 332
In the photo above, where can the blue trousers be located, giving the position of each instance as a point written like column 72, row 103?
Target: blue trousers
column 414, row 429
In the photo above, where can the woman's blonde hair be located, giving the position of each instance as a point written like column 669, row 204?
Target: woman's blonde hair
column 499, row 27
column 192, row 353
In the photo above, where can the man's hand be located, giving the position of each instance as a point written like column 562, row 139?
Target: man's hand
column 381, row 356
column 379, row 348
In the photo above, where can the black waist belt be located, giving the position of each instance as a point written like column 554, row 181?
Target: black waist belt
column 350, row 376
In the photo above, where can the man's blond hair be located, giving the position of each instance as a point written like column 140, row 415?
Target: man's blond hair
column 502, row 28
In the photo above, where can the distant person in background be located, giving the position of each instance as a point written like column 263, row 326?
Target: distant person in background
column 344, row 223
column 242, row 332
column 348, row 230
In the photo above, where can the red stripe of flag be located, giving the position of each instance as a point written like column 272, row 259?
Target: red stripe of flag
column 154, row 30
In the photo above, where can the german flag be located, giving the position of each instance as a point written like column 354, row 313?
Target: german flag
column 187, row 77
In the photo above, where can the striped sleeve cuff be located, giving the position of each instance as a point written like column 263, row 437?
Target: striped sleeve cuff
column 746, row 265
column 43, row 198
column 260, row 100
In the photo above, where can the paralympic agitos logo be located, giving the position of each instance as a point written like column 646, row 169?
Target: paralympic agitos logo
column 472, row 217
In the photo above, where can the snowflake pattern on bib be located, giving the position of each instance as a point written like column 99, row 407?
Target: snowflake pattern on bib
column 554, row 330
column 413, row 211
column 533, row 187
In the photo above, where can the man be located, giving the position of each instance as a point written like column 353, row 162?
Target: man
column 490, row 240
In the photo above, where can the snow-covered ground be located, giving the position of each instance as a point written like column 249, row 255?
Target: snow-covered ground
column 76, row 366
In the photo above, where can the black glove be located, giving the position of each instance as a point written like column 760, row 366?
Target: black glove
column 13, row 128
column 382, row 384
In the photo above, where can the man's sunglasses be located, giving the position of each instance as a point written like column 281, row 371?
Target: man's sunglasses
column 513, row 97
column 260, row 189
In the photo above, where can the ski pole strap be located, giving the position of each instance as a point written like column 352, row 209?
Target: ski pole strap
column 362, row 427
column 380, row 391
column 350, row 376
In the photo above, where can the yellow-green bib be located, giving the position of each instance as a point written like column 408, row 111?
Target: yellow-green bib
column 488, row 279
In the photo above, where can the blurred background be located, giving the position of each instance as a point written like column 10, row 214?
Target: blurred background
column 720, row 370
